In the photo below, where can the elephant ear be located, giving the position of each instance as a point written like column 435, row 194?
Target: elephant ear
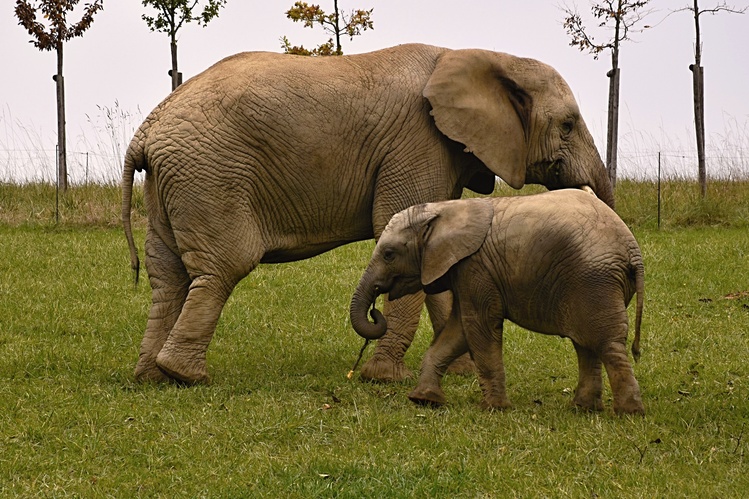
column 476, row 103
column 457, row 231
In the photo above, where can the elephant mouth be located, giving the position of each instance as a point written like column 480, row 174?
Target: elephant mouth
column 400, row 287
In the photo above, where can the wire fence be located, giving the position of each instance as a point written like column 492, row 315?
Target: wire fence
column 22, row 166
column 84, row 167
column 96, row 155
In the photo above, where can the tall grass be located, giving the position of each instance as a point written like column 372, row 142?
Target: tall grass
column 94, row 205
column 95, row 155
column 96, row 151
column 726, row 204
column 646, row 156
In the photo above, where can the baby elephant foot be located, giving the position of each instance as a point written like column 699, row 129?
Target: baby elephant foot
column 631, row 405
column 385, row 369
column 183, row 365
column 496, row 404
column 434, row 397
column 588, row 402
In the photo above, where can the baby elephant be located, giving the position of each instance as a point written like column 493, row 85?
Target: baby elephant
column 560, row 263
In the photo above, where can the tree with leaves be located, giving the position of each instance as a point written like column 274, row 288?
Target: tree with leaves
column 172, row 15
column 621, row 17
column 50, row 35
column 335, row 24
column 698, row 84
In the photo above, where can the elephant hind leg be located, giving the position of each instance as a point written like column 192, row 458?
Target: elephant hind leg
column 183, row 356
column 169, row 286
column 589, row 391
column 626, row 390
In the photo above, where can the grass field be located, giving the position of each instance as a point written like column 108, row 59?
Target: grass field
column 281, row 419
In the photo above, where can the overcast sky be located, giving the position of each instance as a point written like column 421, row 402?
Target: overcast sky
column 120, row 60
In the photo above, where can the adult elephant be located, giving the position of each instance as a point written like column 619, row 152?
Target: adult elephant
column 272, row 158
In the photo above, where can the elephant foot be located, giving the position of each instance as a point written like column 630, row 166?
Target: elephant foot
column 462, row 365
column 632, row 405
column 146, row 371
column 589, row 405
column 588, row 401
column 496, row 404
column 383, row 369
column 427, row 396
column 183, row 368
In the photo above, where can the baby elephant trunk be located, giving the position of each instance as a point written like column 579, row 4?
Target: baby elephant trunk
column 364, row 297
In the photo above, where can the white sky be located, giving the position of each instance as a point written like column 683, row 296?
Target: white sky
column 119, row 59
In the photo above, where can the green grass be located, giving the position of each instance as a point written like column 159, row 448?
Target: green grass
column 281, row 419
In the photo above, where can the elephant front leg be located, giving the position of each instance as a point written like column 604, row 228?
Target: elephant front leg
column 439, row 307
column 169, row 285
column 485, row 344
column 481, row 311
column 447, row 346
column 386, row 364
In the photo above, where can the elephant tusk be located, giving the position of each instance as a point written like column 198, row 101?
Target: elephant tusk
column 588, row 189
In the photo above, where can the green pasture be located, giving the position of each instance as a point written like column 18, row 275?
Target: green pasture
column 281, row 419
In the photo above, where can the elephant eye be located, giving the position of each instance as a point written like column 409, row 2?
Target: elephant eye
column 567, row 127
column 388, row 255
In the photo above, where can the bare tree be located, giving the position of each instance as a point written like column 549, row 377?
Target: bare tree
column 53, row 35
column 172, row 15
column 621, row 17
column 698, row 84
column 335, row 24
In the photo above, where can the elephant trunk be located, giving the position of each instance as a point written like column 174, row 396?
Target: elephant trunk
column 603, row 189
column 364, row 297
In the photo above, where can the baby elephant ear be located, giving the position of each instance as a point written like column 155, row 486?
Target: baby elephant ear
column 458, row 231
column 476, row 101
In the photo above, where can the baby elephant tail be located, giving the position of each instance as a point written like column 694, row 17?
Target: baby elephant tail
column 639, row 274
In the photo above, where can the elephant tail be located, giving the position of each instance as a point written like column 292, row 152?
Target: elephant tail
column 639, row 273
column 134, row 160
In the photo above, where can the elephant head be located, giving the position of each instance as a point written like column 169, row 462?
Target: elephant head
column 415, row 252
column 517, row 116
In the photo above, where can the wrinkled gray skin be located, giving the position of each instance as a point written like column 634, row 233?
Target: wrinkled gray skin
column 560, row 263
column 267, row 158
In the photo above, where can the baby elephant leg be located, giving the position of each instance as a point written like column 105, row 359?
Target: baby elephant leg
column 626, row 390
column 440, row 307
column 447, row 346
column 589, row 391
column 481, row 311
column 485, row 344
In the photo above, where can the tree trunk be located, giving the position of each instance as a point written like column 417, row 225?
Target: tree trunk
column 613, row 125
column 698, row 86
column 338, row 49
column 62, row 167
column 698, row 92
column 176, row 76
